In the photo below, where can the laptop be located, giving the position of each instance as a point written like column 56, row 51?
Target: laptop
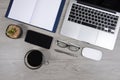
column 93, row 21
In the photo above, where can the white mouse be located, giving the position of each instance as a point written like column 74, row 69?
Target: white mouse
column 92, row 54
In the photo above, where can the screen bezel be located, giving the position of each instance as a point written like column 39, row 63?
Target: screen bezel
column 99, row 6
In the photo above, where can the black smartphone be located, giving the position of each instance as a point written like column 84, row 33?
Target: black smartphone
column 38, row 39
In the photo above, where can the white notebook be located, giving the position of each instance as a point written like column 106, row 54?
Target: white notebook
column 41, row 13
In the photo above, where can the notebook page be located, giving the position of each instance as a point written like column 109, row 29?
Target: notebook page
column 22, row 10
column 45, row 13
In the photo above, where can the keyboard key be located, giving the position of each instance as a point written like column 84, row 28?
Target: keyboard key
column 73, row 16
column 113, row 28
column 93, row 26
column 93, row 18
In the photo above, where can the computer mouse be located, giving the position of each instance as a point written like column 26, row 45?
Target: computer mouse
column 92, row 53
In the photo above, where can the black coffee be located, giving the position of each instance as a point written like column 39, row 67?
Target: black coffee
column 35, row 58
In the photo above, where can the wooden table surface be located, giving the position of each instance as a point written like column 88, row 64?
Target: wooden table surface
column 61, row 66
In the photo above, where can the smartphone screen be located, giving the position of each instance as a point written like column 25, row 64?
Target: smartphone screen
column 38, row 39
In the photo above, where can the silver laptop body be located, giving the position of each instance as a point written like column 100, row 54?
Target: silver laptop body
column 92, row 25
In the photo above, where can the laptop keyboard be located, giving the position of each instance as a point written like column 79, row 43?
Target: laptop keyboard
column 93, row 18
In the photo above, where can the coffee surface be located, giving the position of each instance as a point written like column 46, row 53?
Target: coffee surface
column 35, row 58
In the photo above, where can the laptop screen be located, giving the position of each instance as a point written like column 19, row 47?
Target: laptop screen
column 109, row 4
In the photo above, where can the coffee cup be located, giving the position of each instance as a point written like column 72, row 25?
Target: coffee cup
column 34, row 59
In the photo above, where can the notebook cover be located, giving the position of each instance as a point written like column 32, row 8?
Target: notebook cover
column 9, row 7
column 57, row 17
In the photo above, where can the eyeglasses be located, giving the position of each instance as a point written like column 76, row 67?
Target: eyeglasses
column 65, row 45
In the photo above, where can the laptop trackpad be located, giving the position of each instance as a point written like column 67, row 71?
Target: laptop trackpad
column 87, row 34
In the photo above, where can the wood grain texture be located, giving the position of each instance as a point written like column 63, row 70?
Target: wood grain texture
column 61, row 66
